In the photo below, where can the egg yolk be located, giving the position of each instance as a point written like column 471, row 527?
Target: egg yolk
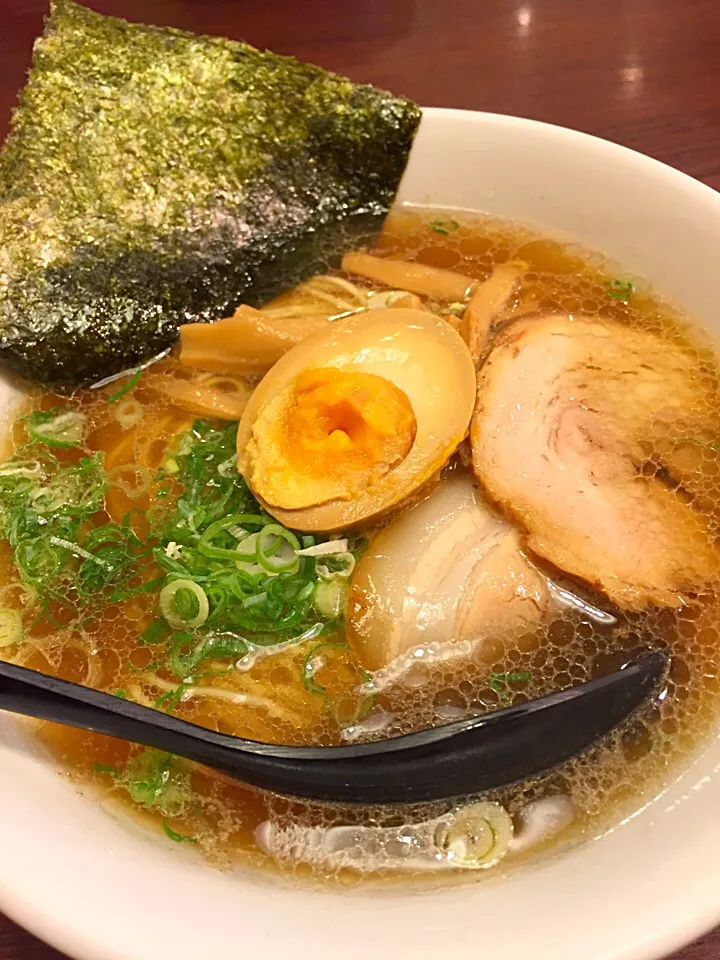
column 331, row 435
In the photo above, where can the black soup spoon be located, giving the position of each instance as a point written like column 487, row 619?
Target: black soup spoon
column 454, row 760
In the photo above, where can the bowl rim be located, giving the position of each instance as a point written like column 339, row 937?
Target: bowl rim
column 706, row 192
column 671, row 931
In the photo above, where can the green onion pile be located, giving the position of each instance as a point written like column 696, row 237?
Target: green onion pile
column 47, row 507
column 236, row 579
column 231, row 579
column 154, row 780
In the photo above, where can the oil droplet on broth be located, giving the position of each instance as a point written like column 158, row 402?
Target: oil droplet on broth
column 582, row 640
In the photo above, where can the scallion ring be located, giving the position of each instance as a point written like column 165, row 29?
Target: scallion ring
column 246, row 562
column 179, row 609
column 245, row 575
column 476, row 836
column 10, row 627
column 276, row 549
column 129, row 413
column 207, row 547
column 338, row 565
column 331, row 597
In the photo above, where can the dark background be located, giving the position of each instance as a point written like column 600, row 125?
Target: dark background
column 645, row 73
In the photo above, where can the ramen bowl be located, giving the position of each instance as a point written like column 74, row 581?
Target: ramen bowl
column 99, row 887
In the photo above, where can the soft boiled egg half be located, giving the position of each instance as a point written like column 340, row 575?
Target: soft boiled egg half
column 353, row 420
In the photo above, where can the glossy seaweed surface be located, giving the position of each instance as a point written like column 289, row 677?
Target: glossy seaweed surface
column 154, row 177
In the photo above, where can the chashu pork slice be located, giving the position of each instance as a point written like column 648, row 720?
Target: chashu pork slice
column 562, row 410
column 448, row 571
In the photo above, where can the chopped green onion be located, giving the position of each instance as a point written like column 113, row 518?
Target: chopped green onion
column 276, row 549
column 246, row 551
column 228, row 468
column 107, row 770
column 129, row 414
column 184, row 604
column 157, row 781
column 444, row 227
column 309, row 668
column 186, row 655
column 157, row 632
column 27, row 469
column 339, row 565
column 76, row 490
column 254, row 600
column 517, row 676
column 114, row 397
column 247, row 573
column 207, row 547
column 78, row 551
column 10, row 627
column 37, row 561
column 56, row 428
column 619, row 289
column 331, row 597
column 499, row 681
column 477, row 835
column 258, row 586
column 48, row 515
column 305, row 593
column 456, row 307
column 168, row 701
column 177, row 837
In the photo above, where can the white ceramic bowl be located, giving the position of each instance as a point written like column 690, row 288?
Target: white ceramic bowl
column 100, row 890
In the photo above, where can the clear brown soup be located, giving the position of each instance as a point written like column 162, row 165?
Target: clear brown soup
column 222, row 816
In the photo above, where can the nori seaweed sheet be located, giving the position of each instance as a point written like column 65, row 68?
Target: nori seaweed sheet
column 153, row 177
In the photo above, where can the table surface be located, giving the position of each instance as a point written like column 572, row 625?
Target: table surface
column 645, row 73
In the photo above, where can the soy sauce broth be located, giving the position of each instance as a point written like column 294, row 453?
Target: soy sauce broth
column 220, row 817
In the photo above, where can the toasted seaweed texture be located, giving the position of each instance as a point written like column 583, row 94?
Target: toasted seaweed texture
column 154, row 177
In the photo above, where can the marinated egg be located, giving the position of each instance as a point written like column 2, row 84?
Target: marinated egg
column 352, row 421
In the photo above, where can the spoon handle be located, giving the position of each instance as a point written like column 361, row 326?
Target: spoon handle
column 39, row 695
column 458, row 759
